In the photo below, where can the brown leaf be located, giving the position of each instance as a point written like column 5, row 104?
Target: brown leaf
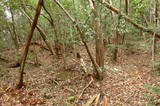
column 105, row 101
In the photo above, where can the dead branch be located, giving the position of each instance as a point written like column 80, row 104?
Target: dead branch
column 82, row 63
column 85, row 88
column 14, row 63
column 40, row 45
column 3, row 59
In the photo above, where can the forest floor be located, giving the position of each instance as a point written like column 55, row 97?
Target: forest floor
column 48, row 84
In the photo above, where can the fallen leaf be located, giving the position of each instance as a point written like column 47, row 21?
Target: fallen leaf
column 105, row 101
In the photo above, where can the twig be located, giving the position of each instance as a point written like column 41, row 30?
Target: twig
column 97, row 98
column 85, row 88
column 7, row 89
column 153, row 52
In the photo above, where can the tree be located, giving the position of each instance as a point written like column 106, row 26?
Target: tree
column 30, row 35
column 96, row 68
column 13, row 32
column 99, row 36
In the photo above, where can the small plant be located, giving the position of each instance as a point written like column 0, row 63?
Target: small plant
column 156, row 66
column 154, row 96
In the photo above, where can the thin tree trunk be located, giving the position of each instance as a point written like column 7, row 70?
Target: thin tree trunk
column 156, row 23
column 13, row 38
column 14, row 30
column 64, row 57
column 30, row 35
column 153, row 52
column 116, row 43
column 145, row 19
column 127, row 13
column 95, row 66
column 110, row 2
column 118, row 37
column 99, row 37
column 52, row 22
column 154, row 38
column 42, row 33
column 126, row 7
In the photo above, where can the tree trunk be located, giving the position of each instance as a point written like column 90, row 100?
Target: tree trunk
column 14, row 31
column 118, row 38
column 126, row 7
column 13, row 38
column 156, row 22
column 95, row 66
column 30, row 35
column 126, row 12
column 115, row 52
column 99, row 41
column 42, row 33
column 52, row 22
column 99, row 38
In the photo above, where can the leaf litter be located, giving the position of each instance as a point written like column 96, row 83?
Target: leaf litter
column 49, row 84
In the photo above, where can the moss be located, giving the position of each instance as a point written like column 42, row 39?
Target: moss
column 65, row 75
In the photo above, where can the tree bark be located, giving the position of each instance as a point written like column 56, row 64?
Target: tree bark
column 30, row 35
column 99, row 37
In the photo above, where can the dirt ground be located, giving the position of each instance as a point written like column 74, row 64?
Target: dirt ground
column 48, row 84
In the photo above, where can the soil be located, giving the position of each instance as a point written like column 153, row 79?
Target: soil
column 48, row 84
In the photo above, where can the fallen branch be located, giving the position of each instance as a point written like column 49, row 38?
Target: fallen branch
column 3, row 59
column 94, row 99
column 90, row 101
column 15, row 63
column 105, row 101
column 18, row 64
column 85, row 88
column 82, row 63
column 97, row 99
column 40, row 45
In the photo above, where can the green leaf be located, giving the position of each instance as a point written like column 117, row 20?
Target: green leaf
column 114, row 69
column 71, row 98
column 153, row 88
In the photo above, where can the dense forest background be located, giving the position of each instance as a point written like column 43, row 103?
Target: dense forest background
column 80, row 52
